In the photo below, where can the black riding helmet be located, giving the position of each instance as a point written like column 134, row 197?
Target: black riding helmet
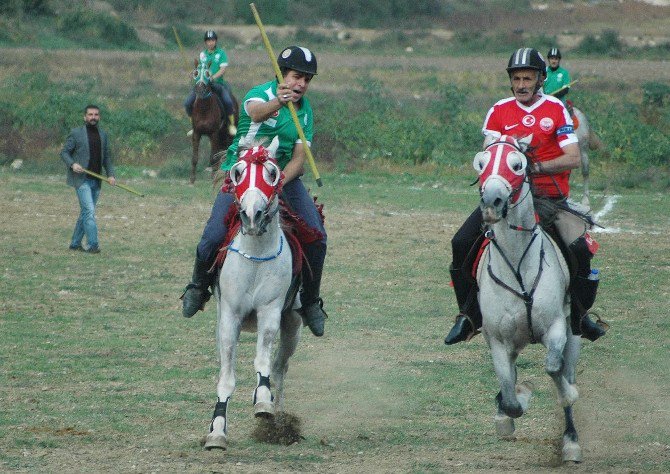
column 526, row 58
column 211, row 34
column 299, row 59
column 554, row 53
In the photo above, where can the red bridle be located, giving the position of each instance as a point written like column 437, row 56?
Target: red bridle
column 256, row 169
column 502, row 160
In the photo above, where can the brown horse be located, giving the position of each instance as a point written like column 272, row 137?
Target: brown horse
column 208, row 119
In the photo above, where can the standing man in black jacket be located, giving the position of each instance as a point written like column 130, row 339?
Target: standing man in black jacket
column 87, row 148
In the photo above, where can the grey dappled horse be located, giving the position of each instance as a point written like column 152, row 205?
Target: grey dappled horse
column 253, row 285
column 523, row 289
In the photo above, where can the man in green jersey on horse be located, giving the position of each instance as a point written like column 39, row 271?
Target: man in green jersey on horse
column 217, row 60
column 265, row 117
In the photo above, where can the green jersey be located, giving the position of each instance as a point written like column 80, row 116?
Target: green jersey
column 216, row 60
column 555, row 80
column 279, row 125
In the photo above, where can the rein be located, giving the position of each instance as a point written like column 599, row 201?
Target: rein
column 526, row 296
column 260, row 259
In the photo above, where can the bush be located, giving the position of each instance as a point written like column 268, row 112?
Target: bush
column 608, row 43
column 98, row 29
column 373, row 125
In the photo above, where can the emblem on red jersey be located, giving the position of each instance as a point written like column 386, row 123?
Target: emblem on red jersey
column 546, row 124
column 528, row 120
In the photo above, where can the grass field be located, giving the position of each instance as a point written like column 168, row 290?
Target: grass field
column 100, row 373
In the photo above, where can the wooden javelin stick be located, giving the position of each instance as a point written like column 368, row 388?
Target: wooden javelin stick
column 106, row 180
column 181, row 48
column 561, row 88
column 291, row 107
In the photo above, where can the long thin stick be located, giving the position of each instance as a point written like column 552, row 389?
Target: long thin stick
column 122, row 186
column 561, row 88
column 181, row 48
column 291, row 107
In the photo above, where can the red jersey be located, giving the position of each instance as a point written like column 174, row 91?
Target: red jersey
column 551, row 127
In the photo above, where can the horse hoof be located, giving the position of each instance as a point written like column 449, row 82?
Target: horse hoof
column 216, row 441
column 524, row 391
column 572, row 452
column 504, row 426
column 264, row 409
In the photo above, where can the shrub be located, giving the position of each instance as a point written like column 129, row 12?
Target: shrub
column 608, row 43
column 97, row 29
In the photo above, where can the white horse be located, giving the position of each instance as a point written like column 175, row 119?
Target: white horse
column 523, row 289
column 588, row 140
column 253, row 285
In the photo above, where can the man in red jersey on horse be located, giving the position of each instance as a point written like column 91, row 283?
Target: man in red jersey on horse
column 553, row 152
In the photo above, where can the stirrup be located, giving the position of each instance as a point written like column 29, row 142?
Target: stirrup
column 194, row 306
column 232, row 129
column 458, row 331
column 316, row 325
column 596, row 329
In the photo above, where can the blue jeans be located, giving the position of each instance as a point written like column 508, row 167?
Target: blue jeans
column 88, row 194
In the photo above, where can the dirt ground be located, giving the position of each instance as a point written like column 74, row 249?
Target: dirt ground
column 354, row 417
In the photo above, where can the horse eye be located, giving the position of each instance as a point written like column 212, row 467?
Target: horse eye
column 516, row 166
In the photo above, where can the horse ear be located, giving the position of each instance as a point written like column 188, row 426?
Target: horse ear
column 488, row 140
column 524, row 142
column 481, row 160
column 271, row 173
column 517, row 162
column 237, row 172
column 274, row 146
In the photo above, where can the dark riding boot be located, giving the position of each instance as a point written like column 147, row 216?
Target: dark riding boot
column 583, row 295
column 197, row 292
column 583, row 289
column 312, row 311
column 469, row 319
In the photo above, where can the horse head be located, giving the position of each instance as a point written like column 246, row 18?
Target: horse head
column 202, row 78
column 256, row 181
column 502, row 175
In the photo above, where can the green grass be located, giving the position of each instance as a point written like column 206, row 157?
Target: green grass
column 95, row 359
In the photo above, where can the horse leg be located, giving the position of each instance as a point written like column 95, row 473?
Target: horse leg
column 568, row 395
column 195, row 139
column 504, row 366
column 554, row 340
column 268, row 326
column 289, row 335
column 213, row 148
column 586, row 199
column 228, row 333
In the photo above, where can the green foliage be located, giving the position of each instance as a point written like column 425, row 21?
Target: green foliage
column 272, row 12
column 630, row 139
column 187, row 35
column 39, row 108
column 655, row 94
column 373, row 125
column 98, row 29
column 29, row 7
column 608, row 43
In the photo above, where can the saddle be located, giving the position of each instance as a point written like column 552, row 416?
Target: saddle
column 298, row 233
